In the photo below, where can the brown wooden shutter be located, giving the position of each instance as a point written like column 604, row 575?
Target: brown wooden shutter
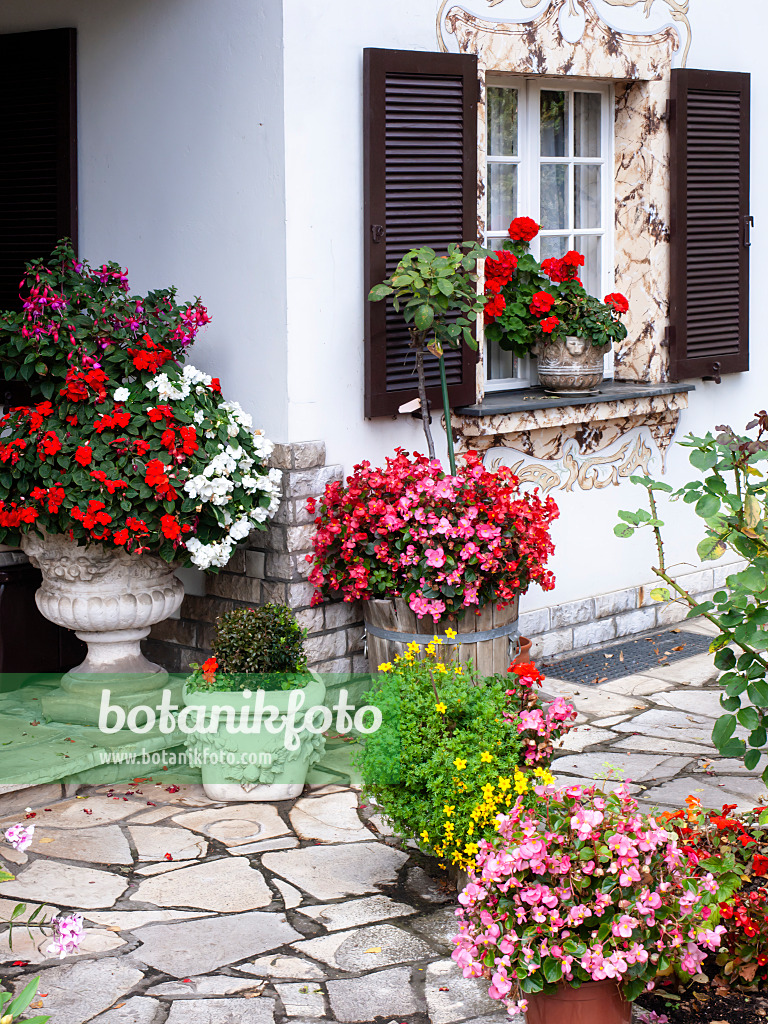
column 709, row 289
column 420, row 132
column 38, row 150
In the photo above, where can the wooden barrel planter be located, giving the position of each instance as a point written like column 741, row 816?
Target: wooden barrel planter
column 489, row 639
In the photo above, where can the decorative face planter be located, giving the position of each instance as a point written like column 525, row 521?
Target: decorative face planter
column 239, row 763
column 571, row 366
column 110, row 599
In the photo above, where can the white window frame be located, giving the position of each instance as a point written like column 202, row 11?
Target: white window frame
column 529, row 160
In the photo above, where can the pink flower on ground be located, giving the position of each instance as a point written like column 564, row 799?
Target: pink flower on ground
column 20, row 836
column 67, row 935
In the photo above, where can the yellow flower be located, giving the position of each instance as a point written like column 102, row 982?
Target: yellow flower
column 448, row 809
column 450, row 633
column 470, row 828
column 385, row 666
column 440, row 667
column 424, row 835
column 470, row 849
column 485, row 756
column 430, row 649
column 521, row 783
column 414, row 647
column 408, row 656
column 436, row 640
column 460, row 763
column 441, row 708
column 504, row 784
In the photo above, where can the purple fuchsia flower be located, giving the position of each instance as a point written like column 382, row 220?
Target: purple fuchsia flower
column 20, row 836
column 67, row 935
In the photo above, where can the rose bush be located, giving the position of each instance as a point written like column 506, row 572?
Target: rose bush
column 443, row 543
column 530, row 302
column 120, row 444
column 583, row 887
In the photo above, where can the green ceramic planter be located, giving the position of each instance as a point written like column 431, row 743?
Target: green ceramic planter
column 239, row 763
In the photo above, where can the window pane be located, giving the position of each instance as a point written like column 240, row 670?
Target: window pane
column 502, row 195
column 554, row 197
column 502, row 122
column 553, row 246
column 591, row 273
column 553, row 120
column 586, row 124
column 586, row 196
column 501, row 364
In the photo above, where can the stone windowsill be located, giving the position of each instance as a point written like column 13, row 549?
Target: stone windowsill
column 511, row 412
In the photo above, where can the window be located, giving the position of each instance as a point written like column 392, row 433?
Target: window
column 549, row 156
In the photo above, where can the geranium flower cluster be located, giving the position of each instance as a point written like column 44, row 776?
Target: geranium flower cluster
column 443, row 543
column 532, row 303
column 135, row 451
column 735, row 847
column 582, row 887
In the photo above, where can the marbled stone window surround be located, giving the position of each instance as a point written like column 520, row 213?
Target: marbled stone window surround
column 639, row 66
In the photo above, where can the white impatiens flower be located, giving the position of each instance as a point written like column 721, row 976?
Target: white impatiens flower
column 122, row 395
column 193, row 376
column 204, row 556
column 167, row 389
column 240, row 529
column 264, row 447
column 198, row 416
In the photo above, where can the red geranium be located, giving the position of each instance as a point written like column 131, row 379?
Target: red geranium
column 500, row 267
column 494, row 307
column 549, row 324
column 523, row 229
column 541, row 303
column 618, row 301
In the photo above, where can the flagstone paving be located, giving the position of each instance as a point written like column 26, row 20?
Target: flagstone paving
column 308, row 910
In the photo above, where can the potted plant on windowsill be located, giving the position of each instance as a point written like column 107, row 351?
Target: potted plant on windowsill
column 258, row 669
column 577, row 906
column 122, row 466
column 543, row 308
column 432, row 553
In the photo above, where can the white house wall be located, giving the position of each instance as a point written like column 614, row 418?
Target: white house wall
column 181, row 156
column 323, row 87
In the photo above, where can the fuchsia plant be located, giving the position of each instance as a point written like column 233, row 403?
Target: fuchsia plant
column 579, row 888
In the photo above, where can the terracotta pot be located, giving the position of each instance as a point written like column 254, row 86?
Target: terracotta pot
column 523, row 651
column 596, row 1002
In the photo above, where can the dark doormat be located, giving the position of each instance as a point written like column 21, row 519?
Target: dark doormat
column 622, row 659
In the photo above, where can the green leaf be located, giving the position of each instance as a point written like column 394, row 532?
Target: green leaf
column 660, row 594
column 424, row 317
column 757, row 691
column 710, row 549
column 445, row 286
column 751, row 579
column 622, row 530
column 753, row 512
column 723, row 730
column 24, row 998
column 703, row 459
column 749, row 718
column 707, row 505
column 725, row 658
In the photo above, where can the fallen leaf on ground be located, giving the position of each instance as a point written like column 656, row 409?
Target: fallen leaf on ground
column 48, row 840
column 373, row 949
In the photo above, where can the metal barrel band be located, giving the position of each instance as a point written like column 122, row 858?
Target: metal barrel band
column 509, row 630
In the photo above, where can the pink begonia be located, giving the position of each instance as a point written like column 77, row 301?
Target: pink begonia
column 20, row 836
column 67, row 935
column 435, row 557
column 418, row 605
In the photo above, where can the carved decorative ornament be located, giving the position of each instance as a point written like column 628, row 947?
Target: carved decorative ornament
column 678, row 9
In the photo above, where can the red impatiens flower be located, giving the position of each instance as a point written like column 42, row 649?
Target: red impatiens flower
column 215, row 385
column 541, row 303
column 760, row 865
column 49, row 445
column 160, row 411
column 523, row 229
column 209, row 667
column 170, row 527
column 548, row 324
column 618, row 301
column 83, row 455
column 151, row 357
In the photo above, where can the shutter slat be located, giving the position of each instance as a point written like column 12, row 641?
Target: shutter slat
column 420, row 186
column 709, row 292
column 38, row 156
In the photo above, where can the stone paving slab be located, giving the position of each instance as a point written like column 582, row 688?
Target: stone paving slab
column 301, row 910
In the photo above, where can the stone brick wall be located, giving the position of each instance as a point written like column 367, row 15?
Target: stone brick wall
column 577, row 625
column 271, row 566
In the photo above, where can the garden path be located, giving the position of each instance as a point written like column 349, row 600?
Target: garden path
column 309, row 910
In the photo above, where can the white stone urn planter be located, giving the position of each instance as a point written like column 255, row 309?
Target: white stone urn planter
column 571, row 366
column 110, row 598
